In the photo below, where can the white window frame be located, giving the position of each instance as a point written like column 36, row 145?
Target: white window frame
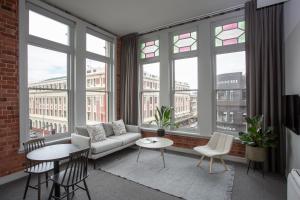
column 178, row 56
column 142, row 62
column 54, row 46
column 109, row 60
column 205, row 54
column 222, row 50
column 77, row 52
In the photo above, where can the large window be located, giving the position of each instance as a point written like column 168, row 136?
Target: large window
column 150, row 80
column 66, row 73
column 97, row 68
column 230, row 77
column 48, row 55
column 185, row 80
column 200, row 68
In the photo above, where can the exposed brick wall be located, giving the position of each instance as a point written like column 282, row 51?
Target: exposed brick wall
column 190, row 142
column 10, row 160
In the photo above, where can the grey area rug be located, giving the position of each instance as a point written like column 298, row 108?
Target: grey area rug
column 181, row 177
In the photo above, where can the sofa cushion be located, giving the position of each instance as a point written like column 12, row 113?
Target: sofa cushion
column 81, row 130
column 96, row 132
column 108, row 129
column 127, row 138
column 105, row 145
column 119, row 127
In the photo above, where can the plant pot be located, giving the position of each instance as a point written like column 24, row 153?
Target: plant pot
column 161, row 132
column 257, row 154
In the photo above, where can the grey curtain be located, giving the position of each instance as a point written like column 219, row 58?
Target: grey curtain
column 129, row 79
column 265, row 72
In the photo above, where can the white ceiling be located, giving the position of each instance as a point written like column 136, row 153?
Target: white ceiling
column 126, row 16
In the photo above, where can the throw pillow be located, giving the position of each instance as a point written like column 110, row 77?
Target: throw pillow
column 81, row 130
column 119, row 127
column 96, row 132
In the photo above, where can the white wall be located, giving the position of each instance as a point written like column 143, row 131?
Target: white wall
column 292, row 73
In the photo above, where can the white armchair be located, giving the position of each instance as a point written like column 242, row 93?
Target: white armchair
column 218, row 146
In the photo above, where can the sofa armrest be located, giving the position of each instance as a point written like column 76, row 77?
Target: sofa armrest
column 81, row 141
column 133, row 129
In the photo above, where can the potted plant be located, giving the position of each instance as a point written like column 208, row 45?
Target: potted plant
column 257, row 139
column 163, row 118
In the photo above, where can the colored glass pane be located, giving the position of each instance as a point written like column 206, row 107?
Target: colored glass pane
column 185, row 42
column 229, row 34
column 149, row 49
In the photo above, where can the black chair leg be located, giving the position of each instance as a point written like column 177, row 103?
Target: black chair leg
column 68, row 193
column 51, row 192
column 94, row 162
column 27, row 185
column 73, row 191
column 39, row 187
column 46, row 179
column 248, row 166
column 87, row 190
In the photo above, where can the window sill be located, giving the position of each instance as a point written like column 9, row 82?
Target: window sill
column 62, row 140
column 183, row 133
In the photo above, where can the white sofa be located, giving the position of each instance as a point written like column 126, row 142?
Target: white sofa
column 111, row 144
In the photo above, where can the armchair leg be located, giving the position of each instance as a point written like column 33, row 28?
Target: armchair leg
column 201, row 159
column 210, row 164
column 225, row 166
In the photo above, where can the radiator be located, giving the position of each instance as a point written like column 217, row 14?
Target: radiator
column 293, row 185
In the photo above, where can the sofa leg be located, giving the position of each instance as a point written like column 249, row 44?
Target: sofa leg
column 94, row 163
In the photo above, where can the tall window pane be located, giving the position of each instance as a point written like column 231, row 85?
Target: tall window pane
column 97, row 45
column 186, row 92
column 231, row 92
column 150, row 91
column 47, row 28
column 96, row 92
column 48, row 92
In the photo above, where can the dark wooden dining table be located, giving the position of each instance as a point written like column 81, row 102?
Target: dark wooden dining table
column 53, row 153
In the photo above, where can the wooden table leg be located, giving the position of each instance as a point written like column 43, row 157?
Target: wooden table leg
column 56, row 186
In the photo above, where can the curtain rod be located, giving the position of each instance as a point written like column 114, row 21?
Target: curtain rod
column 195, row 19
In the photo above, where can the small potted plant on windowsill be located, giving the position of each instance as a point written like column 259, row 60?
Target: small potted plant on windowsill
column 257, row 139
column 163, row 120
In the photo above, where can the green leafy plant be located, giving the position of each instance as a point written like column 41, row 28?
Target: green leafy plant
column 257, row 136
column 163, row 116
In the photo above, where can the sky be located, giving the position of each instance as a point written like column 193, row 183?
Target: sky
column 231, row 62
column 43, row 63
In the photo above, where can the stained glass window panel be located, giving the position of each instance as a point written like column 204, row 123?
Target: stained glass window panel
column 149, row 49
column 185, row 42
column 229, row 34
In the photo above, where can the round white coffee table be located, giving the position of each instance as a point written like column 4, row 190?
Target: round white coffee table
column 154, row 143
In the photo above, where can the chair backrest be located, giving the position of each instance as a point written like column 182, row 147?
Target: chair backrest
column 221, row 142
column 76, row 169
column 33, row 144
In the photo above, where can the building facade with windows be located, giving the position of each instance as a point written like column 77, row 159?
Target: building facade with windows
column 231, row 102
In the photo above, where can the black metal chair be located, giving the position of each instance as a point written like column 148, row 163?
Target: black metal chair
column 37, row 168
column 75, row 173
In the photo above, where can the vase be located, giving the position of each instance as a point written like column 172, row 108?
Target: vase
column 161, row 132
column 256, row 154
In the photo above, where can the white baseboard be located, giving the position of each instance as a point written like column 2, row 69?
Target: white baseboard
column 12, row 177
